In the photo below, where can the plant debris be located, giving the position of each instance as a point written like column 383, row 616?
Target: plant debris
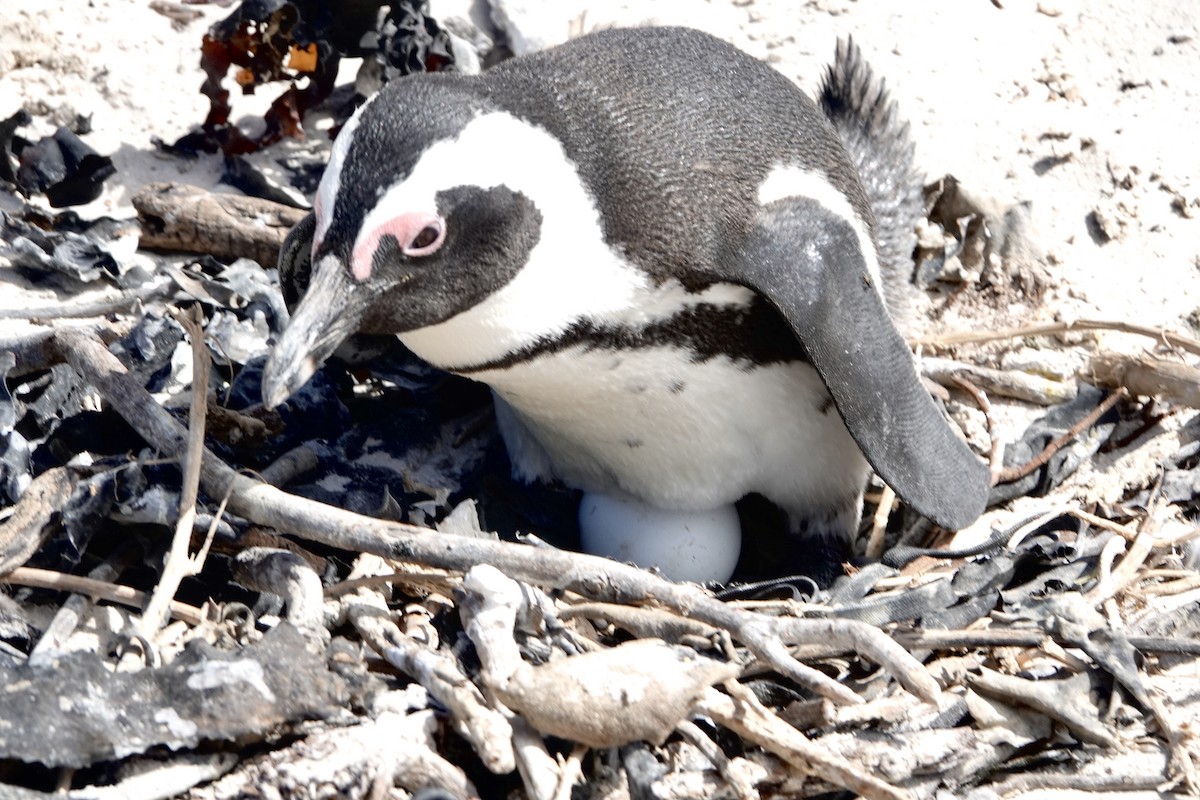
column 350, row 596
column 66, row 246
column 511, row 689
column 72, row 710
column 61, row 166
column 305, row 41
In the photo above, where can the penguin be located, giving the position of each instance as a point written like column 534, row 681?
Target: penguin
column 663, row 259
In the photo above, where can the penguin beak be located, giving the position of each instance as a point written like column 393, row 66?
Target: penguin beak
column 332, row 308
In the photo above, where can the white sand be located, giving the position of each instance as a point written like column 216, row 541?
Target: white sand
column 1109, row 88
column 1077, row 108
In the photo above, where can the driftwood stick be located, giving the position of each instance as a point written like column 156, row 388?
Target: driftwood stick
column 1148, row 376
column 92, row 304
column 36, row 349
column 973, row 337
column 101, row 590
column 22, row 533
column 170, row 778
column 179, row 564
column 742, row 713
column 1043, row 697
column 1010, row 637
column 572, row 773
column 876, row 542
column 1006, row 383
column 73, row 610
column 485, row 728
column 175, row 216
column 591, row 576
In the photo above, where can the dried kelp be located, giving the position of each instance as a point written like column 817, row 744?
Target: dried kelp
column 75, row 711
column 62, row 166
column 401, row 621
column 303, row 43
column 1023, row 599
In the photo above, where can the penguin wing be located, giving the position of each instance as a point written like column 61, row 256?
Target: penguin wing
column 807, row 261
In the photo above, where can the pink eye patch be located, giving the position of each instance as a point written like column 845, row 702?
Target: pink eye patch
column 419, row 233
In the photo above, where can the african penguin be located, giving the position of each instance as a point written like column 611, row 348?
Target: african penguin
column 659, row 254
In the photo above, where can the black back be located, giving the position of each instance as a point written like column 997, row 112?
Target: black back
column 681, row 118
column 672, row 131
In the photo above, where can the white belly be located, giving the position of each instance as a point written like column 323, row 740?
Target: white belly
column 654, row 425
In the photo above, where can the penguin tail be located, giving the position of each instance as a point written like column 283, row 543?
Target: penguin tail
column 881, row 149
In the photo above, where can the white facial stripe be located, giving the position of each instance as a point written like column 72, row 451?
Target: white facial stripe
column 571, row 273
column 790, row 181
column 331, row 180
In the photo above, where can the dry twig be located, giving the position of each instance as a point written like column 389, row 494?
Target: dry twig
column 876, row 543
column 995, row 457
column 55, row 635
column 179, row 564
column 741, row 712
column 92, row 304
column 46, row 579
column 1041, row 459
column 571, row 774
column 590, row 576
column 486, row 729
column 974, row 337
column 37, row 349
column 22, row 533
column 1006, row 383
column 731, row 769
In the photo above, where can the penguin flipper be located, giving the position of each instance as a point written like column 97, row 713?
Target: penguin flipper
column 807, row 261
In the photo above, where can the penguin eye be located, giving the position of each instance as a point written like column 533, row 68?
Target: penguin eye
column 428, row 239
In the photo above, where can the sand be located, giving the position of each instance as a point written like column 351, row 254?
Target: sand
column 1085, row 114
column 1083, row 110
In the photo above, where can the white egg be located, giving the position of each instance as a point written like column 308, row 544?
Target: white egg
column 694, row 546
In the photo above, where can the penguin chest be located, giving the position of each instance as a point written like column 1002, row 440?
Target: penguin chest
column 663, row 426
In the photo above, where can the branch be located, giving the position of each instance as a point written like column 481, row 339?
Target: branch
column 1006, row 383
column 974, row 337
column 178, row 564
column 102, row 590
column 591, row 576
column 742, row 713
column 22, row 533
column 35, row 348
column 179, row 217
column 1008, row 474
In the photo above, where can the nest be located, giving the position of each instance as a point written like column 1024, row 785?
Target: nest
column 173, row 623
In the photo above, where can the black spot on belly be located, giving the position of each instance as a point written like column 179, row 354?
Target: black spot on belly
column 634, row 444
column 677, row 387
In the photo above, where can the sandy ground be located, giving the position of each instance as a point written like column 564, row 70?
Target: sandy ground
column 1087, row 112
column 1078, row 108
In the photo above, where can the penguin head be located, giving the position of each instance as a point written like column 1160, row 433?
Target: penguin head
column 414, row 222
